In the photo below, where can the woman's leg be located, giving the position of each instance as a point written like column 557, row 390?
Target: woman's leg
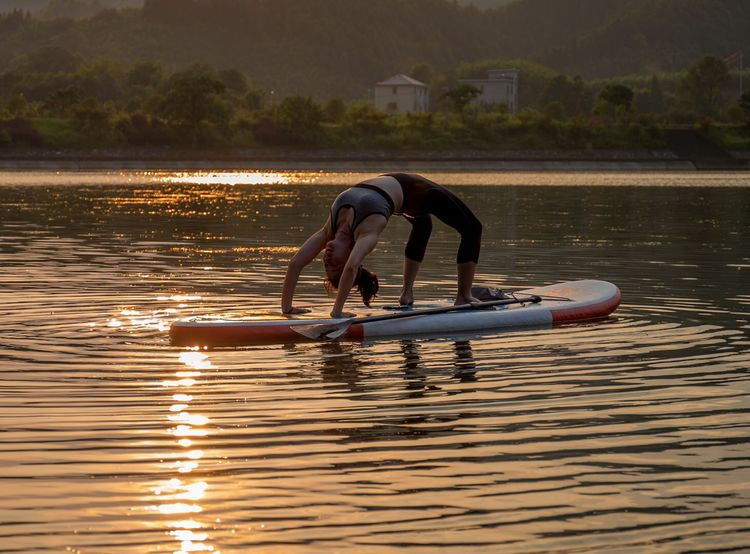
column 465, row 280
column 421, row 229
column 451, row 210
column 411, row 268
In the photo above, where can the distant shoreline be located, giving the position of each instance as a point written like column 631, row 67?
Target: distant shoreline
column 354, row 160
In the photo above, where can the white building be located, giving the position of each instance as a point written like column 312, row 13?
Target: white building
column 500, row 87
column 401, row 94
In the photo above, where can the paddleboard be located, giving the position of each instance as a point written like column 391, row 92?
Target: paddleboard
column 561, row 303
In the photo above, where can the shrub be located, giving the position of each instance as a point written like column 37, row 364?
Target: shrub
column 21, row 132
column 140, row 129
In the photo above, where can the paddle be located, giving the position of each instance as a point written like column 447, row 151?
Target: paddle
column 336, row 329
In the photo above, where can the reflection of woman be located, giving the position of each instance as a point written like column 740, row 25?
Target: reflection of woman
column 359, row 215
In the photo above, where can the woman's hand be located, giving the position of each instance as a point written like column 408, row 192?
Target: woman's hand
column 296, row 311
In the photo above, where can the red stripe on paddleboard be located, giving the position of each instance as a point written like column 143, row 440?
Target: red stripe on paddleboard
column 591, row 311
column 210, row 336
column 356, row 332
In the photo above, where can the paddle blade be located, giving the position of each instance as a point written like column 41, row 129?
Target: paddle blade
column 323, row 331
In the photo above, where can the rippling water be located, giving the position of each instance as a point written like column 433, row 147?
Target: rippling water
column 630, row 435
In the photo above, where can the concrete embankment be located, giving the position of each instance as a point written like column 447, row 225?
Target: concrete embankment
column 679, row 158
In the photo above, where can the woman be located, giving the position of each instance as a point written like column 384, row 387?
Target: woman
column 359, row 215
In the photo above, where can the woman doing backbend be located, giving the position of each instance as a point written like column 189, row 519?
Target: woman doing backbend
column 359, row 215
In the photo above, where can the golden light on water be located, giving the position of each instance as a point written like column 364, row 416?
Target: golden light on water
column 195, row 360
column 188, row 535
column 175, row 490
column 188, row 431
column 178, row 383
column 179, row 508
column 228, row 178
column 186, row 467
column 186, row 524
column 188, row 418
column 194, row 454
column 181, row 495
column 179, row 297
column 157, row 320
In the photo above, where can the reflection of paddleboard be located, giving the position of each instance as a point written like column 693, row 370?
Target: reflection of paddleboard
column 561, row 303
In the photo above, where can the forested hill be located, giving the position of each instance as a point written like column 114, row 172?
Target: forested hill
column 616, row 37
column 73, row 5
column 486, row 4
column 29, row 5
column 341, row 47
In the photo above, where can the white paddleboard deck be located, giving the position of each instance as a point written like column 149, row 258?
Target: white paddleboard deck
column 561, row 303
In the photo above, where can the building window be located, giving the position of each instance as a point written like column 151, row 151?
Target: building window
column 395, row 91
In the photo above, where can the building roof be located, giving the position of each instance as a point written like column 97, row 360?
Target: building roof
column 400, row 80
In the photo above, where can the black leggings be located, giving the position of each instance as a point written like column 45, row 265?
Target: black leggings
column 423, row 198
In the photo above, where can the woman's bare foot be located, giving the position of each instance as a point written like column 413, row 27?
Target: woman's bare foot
column 461, row 300
column 406, row 298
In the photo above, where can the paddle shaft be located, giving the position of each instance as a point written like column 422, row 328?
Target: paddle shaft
column 442, row 310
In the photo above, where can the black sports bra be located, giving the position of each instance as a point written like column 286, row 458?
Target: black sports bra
column 365, row 200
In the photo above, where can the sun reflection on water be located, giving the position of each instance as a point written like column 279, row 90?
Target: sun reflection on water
column 157, row 320
column 228, row 178
column 182, row 495
column 196, row 360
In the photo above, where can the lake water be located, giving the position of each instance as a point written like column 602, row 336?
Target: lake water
column 628, row 435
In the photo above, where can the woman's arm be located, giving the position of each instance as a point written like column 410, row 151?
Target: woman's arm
column 365, row 244
column 306, row 254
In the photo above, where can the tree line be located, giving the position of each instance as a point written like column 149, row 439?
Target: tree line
column 55, row 98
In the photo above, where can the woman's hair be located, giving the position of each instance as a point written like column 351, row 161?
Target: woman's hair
column 366, row 283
